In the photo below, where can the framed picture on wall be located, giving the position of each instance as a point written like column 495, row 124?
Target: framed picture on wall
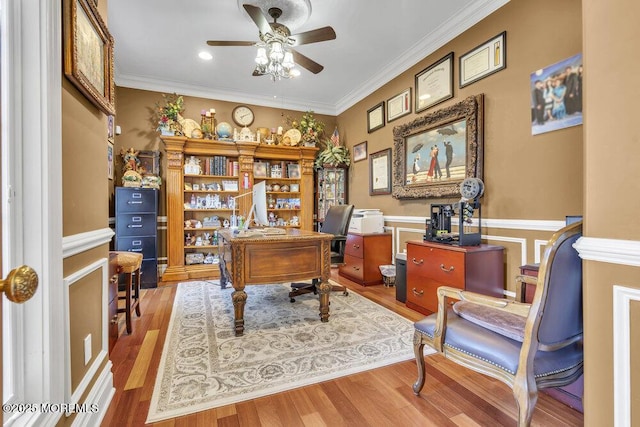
column 488, row 58
column 434, row 84
column 88, row 53
column 437, row 151
column 380, row 172
column 375, row 117
column 110, row 128
column 360, row 151
column 399, row 105
column 109, row 160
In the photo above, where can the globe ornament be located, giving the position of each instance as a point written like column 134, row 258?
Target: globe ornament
column 224, row 130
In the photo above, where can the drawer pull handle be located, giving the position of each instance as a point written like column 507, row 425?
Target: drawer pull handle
column 446, row 270
column 356, row 268
column 135, row 250
column 356, row 246
column 134, row 202
column 134, row 226
column 416, row 293
column 416, row 262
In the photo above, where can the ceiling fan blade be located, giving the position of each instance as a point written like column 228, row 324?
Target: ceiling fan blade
column 258, row 17
column 229, row 43
column 313, row 36
column 306, row 62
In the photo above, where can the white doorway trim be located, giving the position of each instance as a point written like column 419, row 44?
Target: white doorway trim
column 32, row 198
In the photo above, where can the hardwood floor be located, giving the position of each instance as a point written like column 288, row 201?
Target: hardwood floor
column 382, row 397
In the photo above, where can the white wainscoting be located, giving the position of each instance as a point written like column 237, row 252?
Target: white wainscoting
column 529, row 225
column 103, row 390
column 622, row 297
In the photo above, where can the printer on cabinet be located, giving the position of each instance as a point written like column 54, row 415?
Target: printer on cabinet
column 365, row 221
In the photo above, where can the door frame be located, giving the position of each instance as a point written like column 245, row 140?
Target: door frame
column 32, row 197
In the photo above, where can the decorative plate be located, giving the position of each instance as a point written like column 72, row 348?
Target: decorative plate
column 294, row 136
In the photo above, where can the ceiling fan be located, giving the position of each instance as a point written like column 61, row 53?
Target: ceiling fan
column 276, row 55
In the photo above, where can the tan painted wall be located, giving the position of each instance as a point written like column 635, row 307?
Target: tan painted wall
column 135, row 109
column 530, row 177
column 85, row 209
column 612, row 150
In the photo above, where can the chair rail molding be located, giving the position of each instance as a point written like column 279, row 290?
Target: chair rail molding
column 82, row 242
column 512, row 224
column 613, row 251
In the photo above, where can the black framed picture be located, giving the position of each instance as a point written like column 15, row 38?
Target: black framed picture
column 375, row 117
column 380, row 172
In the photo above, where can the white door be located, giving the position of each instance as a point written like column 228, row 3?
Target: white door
column 31, row 199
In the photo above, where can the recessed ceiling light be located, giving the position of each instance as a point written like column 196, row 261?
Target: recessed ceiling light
column 205, row 55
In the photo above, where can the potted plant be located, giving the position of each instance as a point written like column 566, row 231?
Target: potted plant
column 332, row 154
column 166, row 116
column 310, row 128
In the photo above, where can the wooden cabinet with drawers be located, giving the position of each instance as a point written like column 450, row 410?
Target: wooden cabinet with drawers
column 363, row 255
column 472, row 268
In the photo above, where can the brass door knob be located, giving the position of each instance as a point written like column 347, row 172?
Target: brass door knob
column 20, row 285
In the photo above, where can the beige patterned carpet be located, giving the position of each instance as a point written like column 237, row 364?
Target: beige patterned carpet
column 284, row 346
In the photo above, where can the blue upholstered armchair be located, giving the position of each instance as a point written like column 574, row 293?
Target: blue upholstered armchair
column 527, row 346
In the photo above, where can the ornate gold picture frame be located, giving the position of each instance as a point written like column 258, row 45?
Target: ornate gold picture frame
column 88, row 53
column 434, row 153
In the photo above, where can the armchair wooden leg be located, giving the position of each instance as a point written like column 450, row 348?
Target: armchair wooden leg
column 418, row 349
column 526, row 395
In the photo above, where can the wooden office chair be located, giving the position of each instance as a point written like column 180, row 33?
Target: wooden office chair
column 527, row 346
column 336, row 222
column 129, row 263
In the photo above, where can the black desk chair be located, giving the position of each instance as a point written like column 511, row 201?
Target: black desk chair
column 336, row 222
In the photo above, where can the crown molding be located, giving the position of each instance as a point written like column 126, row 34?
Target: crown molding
column 440, row 36
column 449, row 29
column 167, row 86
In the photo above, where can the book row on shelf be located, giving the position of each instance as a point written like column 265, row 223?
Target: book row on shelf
column 212, row 165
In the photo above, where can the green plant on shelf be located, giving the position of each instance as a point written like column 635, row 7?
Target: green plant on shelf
column 332, row 154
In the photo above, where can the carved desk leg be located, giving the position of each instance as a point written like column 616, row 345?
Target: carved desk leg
column 324, row 288
column 239, row 298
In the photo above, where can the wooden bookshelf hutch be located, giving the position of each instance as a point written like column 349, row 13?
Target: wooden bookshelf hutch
column 226, row 170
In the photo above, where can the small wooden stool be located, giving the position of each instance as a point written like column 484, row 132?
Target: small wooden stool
column 129, row 263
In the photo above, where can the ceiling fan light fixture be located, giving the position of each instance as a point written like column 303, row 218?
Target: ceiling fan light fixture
column 288, row 61
column 276, row 52
column 261, row 58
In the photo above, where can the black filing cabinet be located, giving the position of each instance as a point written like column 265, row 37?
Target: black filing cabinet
column 137, row 229
column 401, row 277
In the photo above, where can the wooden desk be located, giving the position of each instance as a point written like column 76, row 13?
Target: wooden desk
column 259, row 260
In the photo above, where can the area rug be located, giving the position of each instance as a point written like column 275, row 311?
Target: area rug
column 284, row 345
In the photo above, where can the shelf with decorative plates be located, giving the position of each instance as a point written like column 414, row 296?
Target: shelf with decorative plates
column 200, row 196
